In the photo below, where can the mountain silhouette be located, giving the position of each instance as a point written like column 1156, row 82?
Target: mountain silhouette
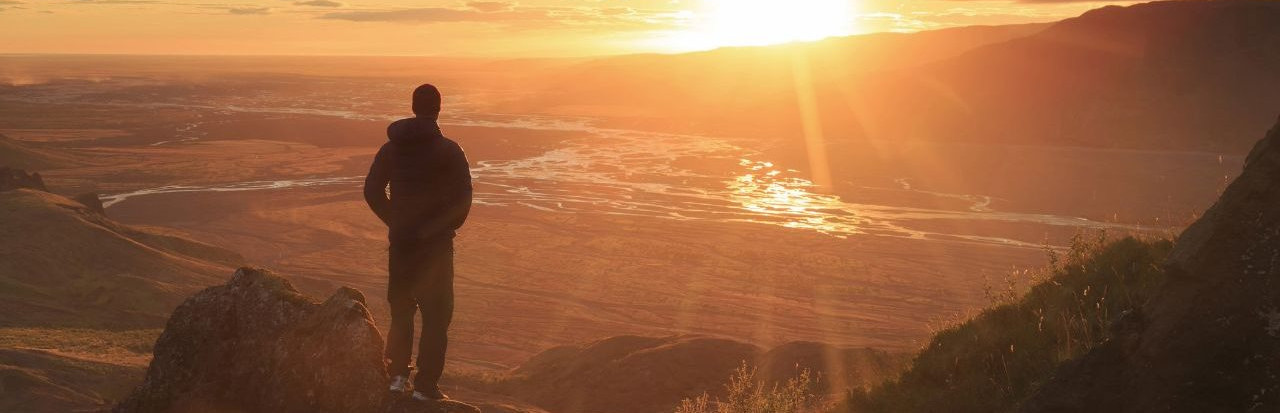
column 1173, row 75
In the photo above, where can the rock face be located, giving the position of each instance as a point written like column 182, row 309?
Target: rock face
column 1210, row 341
column 91, row 201
column 257, row 345
column 11, row 179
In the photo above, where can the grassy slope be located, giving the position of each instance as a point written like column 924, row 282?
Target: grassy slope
column 83, row 299
column 995, row 360
column 62, row 265
column 625, row 374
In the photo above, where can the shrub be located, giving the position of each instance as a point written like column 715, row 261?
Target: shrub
column 747, row 394
column 998, row 358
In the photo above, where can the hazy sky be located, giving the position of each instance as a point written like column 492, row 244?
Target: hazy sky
column 479, row 28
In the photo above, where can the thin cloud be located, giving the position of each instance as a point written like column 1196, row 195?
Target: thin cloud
column 433, row 15
column 319, row 3
column 491, row 6
column 117, row 1
column 249, row 10
column 570, row 18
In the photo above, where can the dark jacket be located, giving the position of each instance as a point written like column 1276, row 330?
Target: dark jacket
column 430, row 182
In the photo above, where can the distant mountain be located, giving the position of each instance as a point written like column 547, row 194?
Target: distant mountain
column 1164, row 75
column 1173, row 75
column 723, row 82
column 64, row 265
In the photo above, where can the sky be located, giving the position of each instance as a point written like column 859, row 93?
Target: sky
column 521, row 28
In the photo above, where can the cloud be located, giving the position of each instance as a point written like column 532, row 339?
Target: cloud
column 611, row 19
column 117, row 1
column 491, row 6
column 319, row 3
column 432, row 15
column 249, row 10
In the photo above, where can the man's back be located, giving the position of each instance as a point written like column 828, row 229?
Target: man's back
column 429, row 179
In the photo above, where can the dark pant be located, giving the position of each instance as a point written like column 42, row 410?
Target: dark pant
column 422, row 281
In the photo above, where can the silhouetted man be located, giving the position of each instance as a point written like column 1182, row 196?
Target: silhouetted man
column 428, row 200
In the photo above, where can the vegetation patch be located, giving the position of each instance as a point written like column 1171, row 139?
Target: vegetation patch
column 998, row 358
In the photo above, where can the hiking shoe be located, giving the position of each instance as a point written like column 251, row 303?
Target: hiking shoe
column 432, row 394
column 399, row 384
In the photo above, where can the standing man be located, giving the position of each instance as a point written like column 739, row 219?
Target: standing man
column 428, row 200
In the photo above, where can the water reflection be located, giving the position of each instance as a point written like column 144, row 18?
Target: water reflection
column 628, row 173
column 772, row 191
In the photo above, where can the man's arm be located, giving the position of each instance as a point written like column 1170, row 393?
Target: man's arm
column 460, row 176
column 375, row 187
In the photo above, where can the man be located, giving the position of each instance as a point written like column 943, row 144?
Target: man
column 428, row 200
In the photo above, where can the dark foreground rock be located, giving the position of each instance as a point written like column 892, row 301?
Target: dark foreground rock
column 92, row 201
column 1210, row 340
column 11, row 179
column 257, row 345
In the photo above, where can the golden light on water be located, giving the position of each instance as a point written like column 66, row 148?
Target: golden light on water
column 764, row 189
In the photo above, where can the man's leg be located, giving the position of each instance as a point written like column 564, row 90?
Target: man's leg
column 400, row 286
column 435, row 300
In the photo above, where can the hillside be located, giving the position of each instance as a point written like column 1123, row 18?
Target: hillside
column 83, row 298
column 1208, row 341
column 256, row 344
column 721, row 83
column 1172, row 75
column 629, row 374
column 64, row 265
column 22, row 155
column 1126, row 326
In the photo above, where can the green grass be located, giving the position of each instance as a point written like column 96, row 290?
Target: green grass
column 124, row 347
column 998, row 358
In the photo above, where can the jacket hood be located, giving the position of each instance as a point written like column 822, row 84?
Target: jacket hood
column 413, row 130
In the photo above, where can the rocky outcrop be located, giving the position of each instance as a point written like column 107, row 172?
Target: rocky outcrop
column 257, row 345
column 11, row 179
column 92, row 201
column 1210, row 340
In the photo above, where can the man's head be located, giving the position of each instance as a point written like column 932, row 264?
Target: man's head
column 426, row 101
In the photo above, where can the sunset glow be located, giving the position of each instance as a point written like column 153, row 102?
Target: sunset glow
column 764, row 22
column 531, row 28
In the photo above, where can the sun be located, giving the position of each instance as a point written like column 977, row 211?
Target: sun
column 719, row 23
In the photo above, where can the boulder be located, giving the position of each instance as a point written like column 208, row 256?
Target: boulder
column 91, row 201
column 257, row 345
column 11, row 179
